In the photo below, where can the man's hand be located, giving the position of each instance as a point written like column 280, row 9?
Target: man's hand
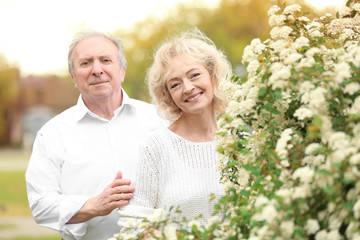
column 117, row 194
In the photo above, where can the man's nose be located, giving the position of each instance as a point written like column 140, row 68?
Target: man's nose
column 97, row 69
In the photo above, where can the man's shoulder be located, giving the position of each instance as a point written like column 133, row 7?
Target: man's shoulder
column 65, row 117
column 142, row 105
column 149, row 110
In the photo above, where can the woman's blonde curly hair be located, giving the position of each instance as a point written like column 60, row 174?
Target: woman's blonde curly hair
column 198, row 46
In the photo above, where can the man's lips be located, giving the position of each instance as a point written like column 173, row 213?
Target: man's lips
column 99, row 82
column 193, row 97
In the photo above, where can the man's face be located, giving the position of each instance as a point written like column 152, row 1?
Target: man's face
column 97, row 69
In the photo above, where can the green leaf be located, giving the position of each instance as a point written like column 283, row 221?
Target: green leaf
column 262, row 92
column 245, row 193
column 323, row 172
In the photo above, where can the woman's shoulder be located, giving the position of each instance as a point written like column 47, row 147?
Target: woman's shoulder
column 157, row 137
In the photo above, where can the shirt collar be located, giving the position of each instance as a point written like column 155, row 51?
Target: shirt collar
column 82, row 110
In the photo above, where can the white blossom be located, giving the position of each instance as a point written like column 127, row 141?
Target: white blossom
column 355, row 159
column 356, row 209
column 285, row 137
column 312, row 226
column 301, row 42
column 304, row 19
column 260, row 201
column 292, row 58
column 303, row 113
column 243, row 178
column 170, row 232
column 334, row 235
column 292, row 9
column 278, row 45
column 305, row 174
column 248, row 54
column 321, row 235
column 276, row 20
column 311, row 148
column 342, row 71
column 285, row 194
column 280, row 32
column 347, row 33
column 268, row 214
column 273, row 10
column 252, row 67
column 302, row 191
column 344, row 11
column 313, row 51
column 212, row 220
column 356, row 7
column 287, row 229
column 306, row 62
column 157, row 215
column 194, row 223
column 352, row 88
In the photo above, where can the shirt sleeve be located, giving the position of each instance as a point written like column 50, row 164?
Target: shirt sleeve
column 146, row 186
column 49, row 207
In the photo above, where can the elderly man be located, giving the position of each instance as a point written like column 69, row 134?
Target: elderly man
column 73, row 180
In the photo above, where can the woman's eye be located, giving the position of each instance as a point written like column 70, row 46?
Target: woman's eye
column 195, row 75
column 174, row 85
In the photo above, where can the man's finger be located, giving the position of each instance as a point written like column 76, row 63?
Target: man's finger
column 120, row 182
column 122, row 196
column 118, row 175
column 123, row 189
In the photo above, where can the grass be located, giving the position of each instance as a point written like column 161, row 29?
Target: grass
column 7, row 226
column 14, row 155
column 13, row 197
column 36, row 238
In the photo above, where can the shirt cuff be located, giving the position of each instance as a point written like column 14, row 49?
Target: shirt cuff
column 68, row 208
column 134, row 211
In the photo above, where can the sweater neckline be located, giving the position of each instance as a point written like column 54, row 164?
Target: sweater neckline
column 186, row 140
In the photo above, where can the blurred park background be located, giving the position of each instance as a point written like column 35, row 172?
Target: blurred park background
column 30, row 97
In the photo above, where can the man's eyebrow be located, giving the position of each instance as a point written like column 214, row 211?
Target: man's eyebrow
column 85, row 58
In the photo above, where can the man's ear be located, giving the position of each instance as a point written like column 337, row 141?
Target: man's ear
column 123, row 73
column 73, row 78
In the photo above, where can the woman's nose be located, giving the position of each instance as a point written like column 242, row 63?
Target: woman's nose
column 188, row 86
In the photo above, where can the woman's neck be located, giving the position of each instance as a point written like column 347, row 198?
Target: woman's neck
column 196, row 127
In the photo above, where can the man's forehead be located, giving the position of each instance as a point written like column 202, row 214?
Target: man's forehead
column 95, row 46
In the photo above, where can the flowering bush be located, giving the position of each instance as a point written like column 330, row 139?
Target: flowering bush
column 289, row 141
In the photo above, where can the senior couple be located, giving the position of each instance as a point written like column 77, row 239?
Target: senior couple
column 111, row 156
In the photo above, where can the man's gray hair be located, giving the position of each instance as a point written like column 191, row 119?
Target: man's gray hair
column 82, row 35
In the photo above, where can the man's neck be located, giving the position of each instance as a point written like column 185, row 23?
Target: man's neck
column 105, row 107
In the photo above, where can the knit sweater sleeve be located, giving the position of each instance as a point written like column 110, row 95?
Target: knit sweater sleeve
column 146, row 185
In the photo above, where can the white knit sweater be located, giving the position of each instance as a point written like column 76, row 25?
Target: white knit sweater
column 173, row 171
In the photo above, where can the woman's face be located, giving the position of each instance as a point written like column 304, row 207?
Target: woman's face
column 190, row 86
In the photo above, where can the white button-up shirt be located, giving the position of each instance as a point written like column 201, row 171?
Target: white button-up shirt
column 76, row 155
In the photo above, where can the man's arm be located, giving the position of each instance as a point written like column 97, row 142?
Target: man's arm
column 117, row 194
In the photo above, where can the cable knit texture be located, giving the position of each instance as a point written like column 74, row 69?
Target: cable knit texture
column 173, row 171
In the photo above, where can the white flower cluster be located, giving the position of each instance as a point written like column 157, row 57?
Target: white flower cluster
column 302, row 102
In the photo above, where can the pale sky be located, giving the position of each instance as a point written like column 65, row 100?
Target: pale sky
column 36, row 33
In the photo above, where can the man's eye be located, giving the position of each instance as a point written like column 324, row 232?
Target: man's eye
column 84, row 63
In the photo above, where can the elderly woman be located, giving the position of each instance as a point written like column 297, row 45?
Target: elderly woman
column 178, row 164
